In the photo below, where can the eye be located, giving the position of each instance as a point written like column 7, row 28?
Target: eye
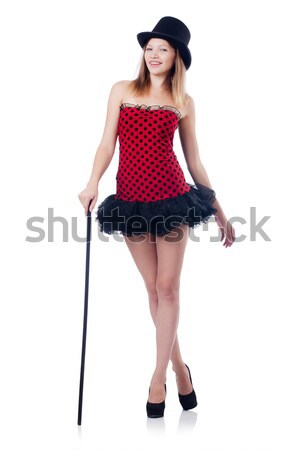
column 164, row 49
column 148, row 48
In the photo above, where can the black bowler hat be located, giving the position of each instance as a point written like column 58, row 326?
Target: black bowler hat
column 172, row 30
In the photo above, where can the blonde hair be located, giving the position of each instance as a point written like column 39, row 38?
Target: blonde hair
column 175, row 80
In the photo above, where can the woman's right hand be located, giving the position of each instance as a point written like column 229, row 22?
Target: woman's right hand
column 88, row 194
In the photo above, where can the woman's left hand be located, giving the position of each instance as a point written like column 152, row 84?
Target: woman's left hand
column 226, row 229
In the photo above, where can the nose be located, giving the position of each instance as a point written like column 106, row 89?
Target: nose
column 154, row 53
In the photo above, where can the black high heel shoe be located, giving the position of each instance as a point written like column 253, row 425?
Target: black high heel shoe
column 156, row 409
column 188, row 401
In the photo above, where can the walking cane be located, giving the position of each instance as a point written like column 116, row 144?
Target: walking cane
column 85, row 316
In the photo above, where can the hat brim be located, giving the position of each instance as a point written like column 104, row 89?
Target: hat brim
column 184, row 50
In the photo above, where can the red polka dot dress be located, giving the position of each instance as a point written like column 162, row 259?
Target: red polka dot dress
column 152, row 194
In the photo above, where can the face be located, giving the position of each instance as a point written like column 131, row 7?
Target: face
column 159, row 56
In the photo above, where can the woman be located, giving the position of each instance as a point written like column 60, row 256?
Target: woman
column 154, row 207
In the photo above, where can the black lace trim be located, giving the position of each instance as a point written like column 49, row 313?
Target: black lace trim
column 152, row 107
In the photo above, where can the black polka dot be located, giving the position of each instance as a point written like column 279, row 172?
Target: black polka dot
column 147, row 135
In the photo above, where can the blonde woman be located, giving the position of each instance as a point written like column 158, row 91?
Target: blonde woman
column 154, row 206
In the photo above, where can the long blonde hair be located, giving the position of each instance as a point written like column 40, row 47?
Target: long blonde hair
column 175, row 80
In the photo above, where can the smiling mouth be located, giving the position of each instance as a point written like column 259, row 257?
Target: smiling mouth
column 155, row 63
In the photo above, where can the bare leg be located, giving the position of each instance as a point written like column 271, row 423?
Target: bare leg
column 144, row 253
column 170, row 254
column 178, row 366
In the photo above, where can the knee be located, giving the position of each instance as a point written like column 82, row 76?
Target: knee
column 167, row 289
column 152, row 292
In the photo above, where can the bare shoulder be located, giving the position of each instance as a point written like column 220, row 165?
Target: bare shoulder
column 112, row 117
column 187, row 110
column 190, row 105
column 122, row 84
column 119, row 89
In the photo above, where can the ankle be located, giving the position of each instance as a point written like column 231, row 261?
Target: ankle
column 158, row 378
column 178, row 367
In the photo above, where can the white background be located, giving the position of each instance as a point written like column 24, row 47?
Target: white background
column 238, row 319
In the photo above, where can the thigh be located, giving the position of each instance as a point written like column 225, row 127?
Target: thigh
column 170, row 254
column 143, row 251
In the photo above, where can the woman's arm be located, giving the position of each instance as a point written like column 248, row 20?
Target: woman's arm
column 106, row 148
column 187, row 133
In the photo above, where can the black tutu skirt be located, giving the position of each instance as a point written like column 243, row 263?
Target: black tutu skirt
column 132, row 218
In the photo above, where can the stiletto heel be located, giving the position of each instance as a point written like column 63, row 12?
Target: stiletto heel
column 188, row 401
column 156, row 409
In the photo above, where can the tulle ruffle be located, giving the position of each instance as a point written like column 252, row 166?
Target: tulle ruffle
column 132, row 218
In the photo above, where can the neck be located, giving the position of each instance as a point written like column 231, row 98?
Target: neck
column 158, row 83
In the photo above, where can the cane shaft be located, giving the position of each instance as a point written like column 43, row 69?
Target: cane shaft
column 85, row 317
